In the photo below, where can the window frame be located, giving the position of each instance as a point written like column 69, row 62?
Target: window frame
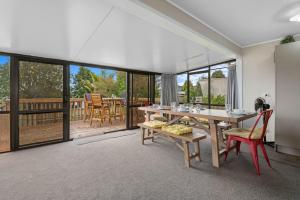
column 205, row 69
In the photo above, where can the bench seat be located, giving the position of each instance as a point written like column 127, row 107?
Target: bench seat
column 185, row 139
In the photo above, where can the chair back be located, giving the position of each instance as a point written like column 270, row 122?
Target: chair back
column 266, row 115
column 87, row 97
column 96, row 99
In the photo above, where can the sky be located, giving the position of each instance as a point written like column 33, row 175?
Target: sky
column 4, row 59
column 194, row 78
column 75, row 68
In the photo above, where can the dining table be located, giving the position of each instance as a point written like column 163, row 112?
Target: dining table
column 213, row 116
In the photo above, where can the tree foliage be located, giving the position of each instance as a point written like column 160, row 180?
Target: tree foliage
column 4, row 81
column 218, row 74
column 82, row 82
column 107, row 84
column 195, row 91
column 38, row 80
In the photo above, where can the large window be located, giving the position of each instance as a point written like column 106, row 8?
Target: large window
column 182, row 87
column 218, row 84
column 207, row 86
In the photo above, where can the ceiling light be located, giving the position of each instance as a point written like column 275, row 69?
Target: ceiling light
column 296, row 18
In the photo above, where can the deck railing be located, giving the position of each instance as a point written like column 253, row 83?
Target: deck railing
column 76, row 110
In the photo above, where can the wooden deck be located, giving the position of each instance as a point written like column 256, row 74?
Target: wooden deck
column 78, row 129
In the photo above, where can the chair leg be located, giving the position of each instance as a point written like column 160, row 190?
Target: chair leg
column 265, row 153
column 253, row 150
column 227, row 147
column 92, row 115
column 142, row 135
column 238, row 147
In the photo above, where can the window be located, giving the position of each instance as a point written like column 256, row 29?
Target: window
column 198, row 92
column 207, row 86
column 182, row 88
column 218, row 84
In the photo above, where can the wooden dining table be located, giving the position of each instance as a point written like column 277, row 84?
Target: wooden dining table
column 213, row 116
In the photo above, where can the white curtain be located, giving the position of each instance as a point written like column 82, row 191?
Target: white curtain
column 232, row 86
column 168, row 89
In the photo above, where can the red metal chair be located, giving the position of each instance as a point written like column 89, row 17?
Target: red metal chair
column 253, row 137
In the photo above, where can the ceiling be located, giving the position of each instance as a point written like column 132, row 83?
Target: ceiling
column 96, row 32
column 245, row 22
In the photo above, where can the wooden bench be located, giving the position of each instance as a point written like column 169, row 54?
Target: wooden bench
column 148, row 133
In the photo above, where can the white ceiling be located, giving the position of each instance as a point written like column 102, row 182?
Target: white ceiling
column 97, row 32
column 245, row 22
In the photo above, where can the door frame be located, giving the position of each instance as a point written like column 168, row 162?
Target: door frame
column 14, row 106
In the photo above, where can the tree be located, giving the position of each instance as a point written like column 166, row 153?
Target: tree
column 218, row 74
column 157, row 86
column 38, row 80
column 121, row 84
column 82, row 82
column 4, row 81
column 198, row 89
column 104, row 85
column 186, row 85
column 140, row 86
column 192, row 90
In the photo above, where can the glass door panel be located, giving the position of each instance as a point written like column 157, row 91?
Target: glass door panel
column 107, row 83
column 41, row 103
column 5, row 132
column 4, row 103
column 37, row 128
column 139, row 95
column 199, row 88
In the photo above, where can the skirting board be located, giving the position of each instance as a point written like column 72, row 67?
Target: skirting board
column 287, row 150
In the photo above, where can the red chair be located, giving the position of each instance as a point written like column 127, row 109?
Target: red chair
column 253, row 137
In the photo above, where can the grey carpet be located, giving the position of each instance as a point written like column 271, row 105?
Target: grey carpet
column 120, row 168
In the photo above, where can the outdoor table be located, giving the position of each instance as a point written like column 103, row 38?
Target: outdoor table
column 213, row 116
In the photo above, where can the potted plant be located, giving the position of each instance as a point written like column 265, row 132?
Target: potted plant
column 288, row 39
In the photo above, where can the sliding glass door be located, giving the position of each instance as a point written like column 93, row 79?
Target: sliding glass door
column 42, row 102
column 140, row 93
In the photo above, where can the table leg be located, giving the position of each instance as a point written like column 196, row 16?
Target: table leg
column 148, row 116
column 234, row 125
column 197, row 150
column 214, row 143
column 186, row 152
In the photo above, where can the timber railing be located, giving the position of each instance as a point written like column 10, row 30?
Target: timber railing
column 46, row 104
column 49, row 104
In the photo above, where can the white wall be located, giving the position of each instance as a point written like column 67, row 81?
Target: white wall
column 259, row 79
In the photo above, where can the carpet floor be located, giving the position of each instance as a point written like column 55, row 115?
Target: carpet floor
column 117, row 167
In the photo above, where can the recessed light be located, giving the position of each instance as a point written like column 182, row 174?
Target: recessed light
column 296, row 18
